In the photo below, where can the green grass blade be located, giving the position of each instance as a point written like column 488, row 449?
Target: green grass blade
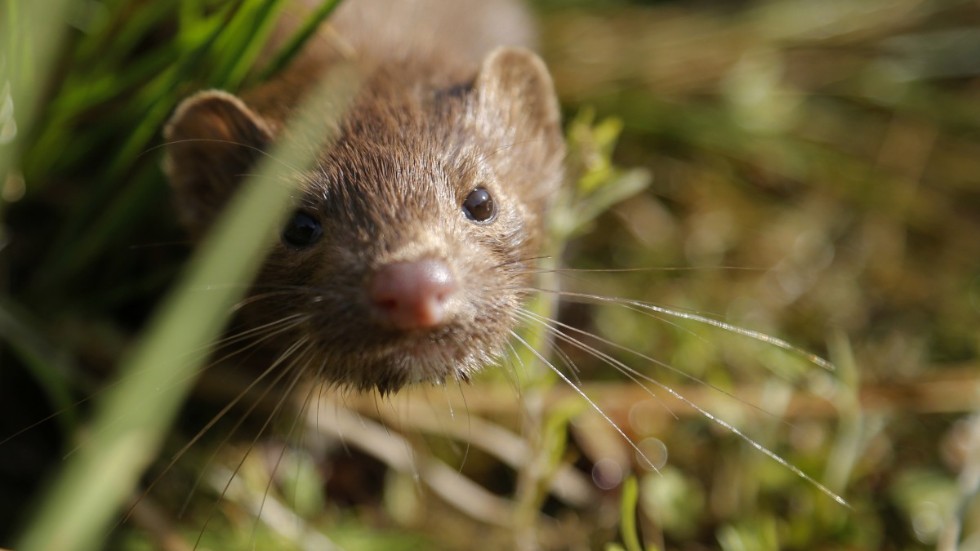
column 627, row 515
column 29, row 37
column 133, row 417
column 151, row 107
column 256, row 31
column 299, row 38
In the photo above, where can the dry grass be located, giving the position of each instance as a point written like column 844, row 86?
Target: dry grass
column 816, row 176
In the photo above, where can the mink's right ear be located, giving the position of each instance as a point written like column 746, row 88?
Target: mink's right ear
column 213, row 140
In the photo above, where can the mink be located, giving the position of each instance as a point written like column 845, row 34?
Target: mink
column 414, row 238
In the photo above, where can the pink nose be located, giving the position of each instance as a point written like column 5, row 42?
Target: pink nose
column 412, row 295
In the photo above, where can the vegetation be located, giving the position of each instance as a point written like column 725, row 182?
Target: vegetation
column 815, row 177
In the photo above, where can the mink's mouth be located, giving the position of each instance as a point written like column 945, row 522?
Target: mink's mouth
column 389, row 361
column 350, row 349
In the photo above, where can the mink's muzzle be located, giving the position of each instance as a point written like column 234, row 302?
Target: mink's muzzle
column 413, row 296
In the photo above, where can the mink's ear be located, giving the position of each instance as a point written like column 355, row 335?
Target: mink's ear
column 517, row 104
column 515, row 84
column 213, row 140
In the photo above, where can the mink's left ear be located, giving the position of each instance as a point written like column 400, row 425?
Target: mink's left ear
column 514, row 84
column 517, row 105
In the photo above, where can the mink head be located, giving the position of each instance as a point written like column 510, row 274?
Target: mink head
column 409, row 250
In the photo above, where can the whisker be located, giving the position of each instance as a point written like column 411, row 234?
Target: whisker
column 658, row 363
column 649, row 307
column 61, row 411
column 282, row 452
column 516, row 367
column 519, row 261
column 281, row 325
column 321, row 388
column 214, row 420
column 632, row 374
column 108, row 386
column 587, row 399
column 711, row 417
column 258, row 150
column 249, row 300
column 469, row 420
column 284, row 324
column 667, row 321
column 653, row 269
column 265, row 425
column 234, row 339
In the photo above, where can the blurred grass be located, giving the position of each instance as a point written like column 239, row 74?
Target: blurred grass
column 817, row 177
column 133, row 418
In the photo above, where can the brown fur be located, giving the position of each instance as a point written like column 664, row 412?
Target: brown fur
column 430, row 124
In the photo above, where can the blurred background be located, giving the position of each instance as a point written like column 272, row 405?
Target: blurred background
column 813, row 173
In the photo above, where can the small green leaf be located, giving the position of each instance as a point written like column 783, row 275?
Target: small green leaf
column 627, row 515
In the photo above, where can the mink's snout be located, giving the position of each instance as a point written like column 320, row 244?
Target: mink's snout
column 412, row 295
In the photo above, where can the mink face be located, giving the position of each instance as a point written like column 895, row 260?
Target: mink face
column 409, row 250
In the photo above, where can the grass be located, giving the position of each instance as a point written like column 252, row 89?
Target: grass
column 815, row 176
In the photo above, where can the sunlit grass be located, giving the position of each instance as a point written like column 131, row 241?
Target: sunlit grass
column 815, row 178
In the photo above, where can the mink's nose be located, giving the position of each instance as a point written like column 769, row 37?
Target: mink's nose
column 412, row 295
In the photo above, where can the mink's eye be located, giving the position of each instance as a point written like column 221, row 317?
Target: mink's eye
column 302, row 230
column 479, row 205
